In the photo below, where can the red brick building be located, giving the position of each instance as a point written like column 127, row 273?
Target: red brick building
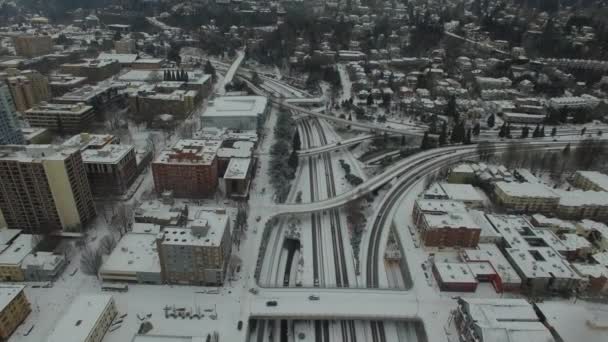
column 189, row 169
column 445, row 223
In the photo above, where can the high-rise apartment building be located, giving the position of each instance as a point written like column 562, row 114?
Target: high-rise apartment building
column 27, row 87
column 197, row 254
column 33, row 45
column 44, row 188
column 9, row 128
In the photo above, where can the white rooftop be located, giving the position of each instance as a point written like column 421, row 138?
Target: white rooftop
column 574, row 242
column 504, row 320
column 576, row 322
column 429, row 205
column 534, row 190
column 236, row 106
column 109, row 154
column 461, row 192
column 597, row 178
column 578, row 198
column 450, row 220
column 76, row 324
column 134, row 253
column 166, row 338
column 122, row 58
column 452, row 272
column 7, row 235
column 210, row 223
column 15, row 252
column 551, row 222
column 189, row 151
column 45, row 260
column 8, row 293
column 237, row 168
column 490, row 253
column 239, row 149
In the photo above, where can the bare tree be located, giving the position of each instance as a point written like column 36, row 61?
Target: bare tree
column 122, row 219
column 107, row 244
column 90, row 261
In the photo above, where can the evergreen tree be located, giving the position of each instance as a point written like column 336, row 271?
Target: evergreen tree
column 370, row 100
column 566, row 150
column 209, row 69
column 60, row 129
column 297, row 144
column 458, row 133
column 403, row 140
column 503, row 131
column 508, row 131
column 554, row 131
column 491, row 120
column 293, row 160
column 443, row 135
column 542, row 132
column 583, row 130
column 536, row 132
column 476, row 129
column 467, row 138
column 450, row 109
column 525, row 131
column 426, row 143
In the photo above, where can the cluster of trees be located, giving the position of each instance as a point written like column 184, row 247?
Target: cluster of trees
column 327, row 74
column 356, row 221
column 350, row 178
column 283, row 164
column 175, row 75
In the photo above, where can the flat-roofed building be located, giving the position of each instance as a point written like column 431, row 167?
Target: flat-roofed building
column 63, row 83
column 61, row 117
column 498, row 270
column 28, row 45
column 189, row 168
column 96, row 96
column 590, row 180
column 12, row 255
column 526, row 197
column 464, row 193
column 111, row 167
column 453, row 276
column 162, row 214
column 441, row 227
column 462, row 173
column 198, row 254
column 595, row 276
column 236, row 112
column 135, row 259
column 568, row 322
column 491, row 320
column 36, row 135
column 94, row 70
column 578, row 204
column 166, row 98
column 44, row 188
column 42, row 266
column 87, row 320
column 556, row 225
column 14, row 308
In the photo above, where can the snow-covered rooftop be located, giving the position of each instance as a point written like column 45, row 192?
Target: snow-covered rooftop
column 236, row 106
column 535, row 190
column 541, row 221
column 45, row 260
column 109, row 154
column 122, row 58
column 461, row 192
column 490, row 253
column 76, row 324
column 597, row 178
column 14, row 252
column 8, row 293
column 452, row 272
column 503, row 320
column 134, row 253
column 239, row 149
column 189, row 151
column 575, row 322
column 450, row 220
column 579, row 198
column 445, row 206
column 237, row 168
column 574, row 242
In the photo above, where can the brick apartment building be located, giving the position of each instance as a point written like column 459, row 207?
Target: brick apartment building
column 445, row 223
column 189, row 169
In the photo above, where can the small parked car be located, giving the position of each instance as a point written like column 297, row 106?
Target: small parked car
column 271, row 303
column 313, row 297
column 239, row 326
